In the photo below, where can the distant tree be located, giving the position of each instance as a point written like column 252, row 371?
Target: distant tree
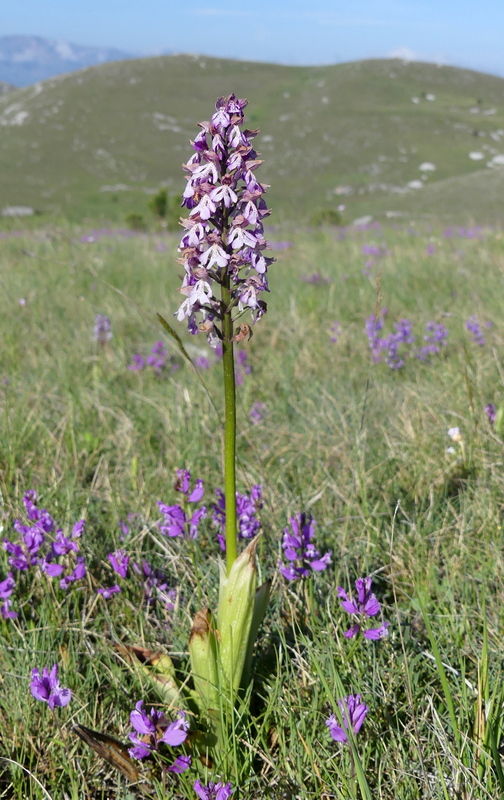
column 136, row 221
column 159, row 204
column 166, row 207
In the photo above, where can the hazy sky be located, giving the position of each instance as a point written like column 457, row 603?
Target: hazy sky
column 459, row 32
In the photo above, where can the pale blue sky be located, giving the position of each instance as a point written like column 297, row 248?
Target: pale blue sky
column 459, row 32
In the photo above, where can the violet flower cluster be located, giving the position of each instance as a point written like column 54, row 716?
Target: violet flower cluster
column 177, row 520
column 40, row 546
column 156, row 586
column 474, row 328
column 353, row 714
column 223, row 243
column 102, row 331
column 490, row 411
column 152, row 730
column 299, row 549
column 363, row 607
column 247, row 508
column 157, row 360
column 46, row 688
column 258, row 412
column 395, row 348
column 213, row 791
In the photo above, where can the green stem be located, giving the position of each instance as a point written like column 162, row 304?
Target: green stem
column 229, row 429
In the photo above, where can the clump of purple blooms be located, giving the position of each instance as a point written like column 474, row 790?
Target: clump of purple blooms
column 258, row 411
column 474, row 328
column 247, row 508
column 224, row 243
column 155, row 585
column 316, row 278
column 156, row 360
column 214, row 791
column 46, row 688
column 102, row 332
column 375, row 252
column 436, row 335
column 176, row 519
column 40, row 546
column 335, row 332
column 490, row 411
column 353, row 714
column 395, row 348
column 152, row 730
column 364, row 607
column 299, row 549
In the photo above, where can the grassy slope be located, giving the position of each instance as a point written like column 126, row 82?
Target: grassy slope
column 322, row 127
column 343, row 438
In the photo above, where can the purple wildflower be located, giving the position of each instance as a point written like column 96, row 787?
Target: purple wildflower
column 335, row 332
column 183, row 485
column 223, row 243
column 154, row 730
column 214, row 791
column 431, row 249
column 102, row 330
column 155, row 584
column 300, row 551
column 46, row 687
column 316, row 278
column 247, row 507
column 474, row 328
column 436, row 335
column 137, row 363
column 490, row 411
column 202, row 362
column 258, row 411
column 107, row 591
column 7, row 586
column 119, row 561
column 353, row 714
column 366, row 605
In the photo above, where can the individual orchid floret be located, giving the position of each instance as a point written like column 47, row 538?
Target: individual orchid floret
column 474, row 328
column 7, row 586
column 46, row 687
column 353, row 714
column 107, row 591
column 365, row 605
column 299, row 549
column 119, row 561
column 150, row 730
column 223, row 243
column 102, row 332
column 213, row 791
column 491, row 413
column 247, row 508
column 183, row 485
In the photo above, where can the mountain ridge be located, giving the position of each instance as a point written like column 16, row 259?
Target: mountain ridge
column 371, row 135
column 25, row 60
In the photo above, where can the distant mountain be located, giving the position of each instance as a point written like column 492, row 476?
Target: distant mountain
column 29, row 59
column 6, row 87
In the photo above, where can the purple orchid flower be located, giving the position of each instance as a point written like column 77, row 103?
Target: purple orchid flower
column 154, row 729
column 46, row 687
column 213, row 791
column 300, row 551
column 365, row 605
column 353, row 713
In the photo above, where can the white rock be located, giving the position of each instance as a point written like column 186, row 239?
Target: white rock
column 415, row 184
column 476, row 155
column 17, row 211
column 363, row 220
column 427, row 167
column 430, row 97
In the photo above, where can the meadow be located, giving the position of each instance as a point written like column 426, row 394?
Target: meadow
column 330, row 423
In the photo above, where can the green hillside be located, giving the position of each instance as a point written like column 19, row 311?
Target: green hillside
column 95, row 142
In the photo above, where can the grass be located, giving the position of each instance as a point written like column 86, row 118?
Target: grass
column 67, row 142
column 361, row 447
